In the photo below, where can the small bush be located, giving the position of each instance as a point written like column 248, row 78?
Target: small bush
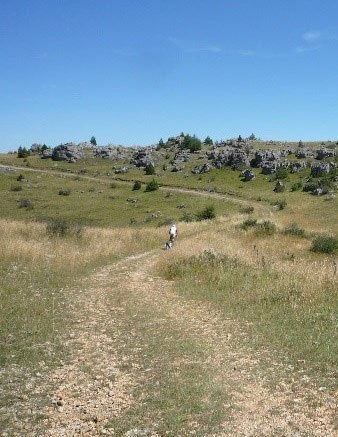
column 294, row 229
column 296, row 186
column 137, row 185
column 150, row 169
column 152, row 186
column 187, row 217
column 63, row 228
column 207, row 213
column 20, row 178
column 249, row 223
column 113, row 185
column 25, row 203
column 282, row 173
column 247, row 210
column 325, row 244
column 280, row 204
column 64, row 192
column 16, row 188
column 265, row 228
column 279, row 187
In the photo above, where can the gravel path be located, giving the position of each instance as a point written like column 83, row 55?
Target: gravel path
column 93, row 387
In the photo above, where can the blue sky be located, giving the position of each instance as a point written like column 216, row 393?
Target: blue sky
column 133, row 71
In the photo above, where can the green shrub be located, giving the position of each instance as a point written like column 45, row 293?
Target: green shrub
column 249, row 223
column 137, row 185
column 192, row 143
column 265, row 228
column 280, row 204
column 247, row 210
column 152, row 186
column 64, row 192
column 20, row 178
column 282, row 173
column 297, row 186
column 149, row 169
column 113, row 185
column 25, row 203
column 16, row 188
column 325, row 244
column 294, row 229
column 279, row 187
column 207, row 213
column 63, row 228
column 187, row 217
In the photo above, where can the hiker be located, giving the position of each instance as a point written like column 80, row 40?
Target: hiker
column 172, row 233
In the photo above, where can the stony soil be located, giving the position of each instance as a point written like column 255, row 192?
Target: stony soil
column 100, row 380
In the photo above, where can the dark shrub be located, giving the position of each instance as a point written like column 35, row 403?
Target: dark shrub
column 20, row 178
column 294, row 229
column 25, row 203
column 63, row 228
column 247, row 210
column 192, row 143
column 325, row 244
column 187, row 217
column 265, row 228
column 249, row 223
column 16, row 188
column 282, row 173
column 280, row 204
column 296, row 186
column 137, row 185
column 207, row 213
column 149, row 169
column 112, row 185
column 279, row 188
column 152, row 186
column 64, row 192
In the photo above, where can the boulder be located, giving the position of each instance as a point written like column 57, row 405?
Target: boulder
column 319, row 169
column 200, row 169
column 67, row 152
column 325, row 153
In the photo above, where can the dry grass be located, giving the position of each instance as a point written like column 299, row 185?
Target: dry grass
column 275, row 282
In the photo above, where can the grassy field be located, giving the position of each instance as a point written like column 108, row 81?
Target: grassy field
column 58, row 224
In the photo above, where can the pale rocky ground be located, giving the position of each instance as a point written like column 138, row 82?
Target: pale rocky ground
column 93, row 387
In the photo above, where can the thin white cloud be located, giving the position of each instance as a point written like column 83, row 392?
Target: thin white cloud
column 311, row 36
column 194, row 46
column 305, row 49
column 247, row 52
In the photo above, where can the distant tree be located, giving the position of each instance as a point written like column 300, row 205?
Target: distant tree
column 161, row 143
column 208, row 141
column 44, row 147
column 252, row 137
column 239, row 139
column 93, row 141
column 300, row 143
column 23, row 152
column 192, row 143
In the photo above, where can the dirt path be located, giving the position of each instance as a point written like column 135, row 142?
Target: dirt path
column 133, row 337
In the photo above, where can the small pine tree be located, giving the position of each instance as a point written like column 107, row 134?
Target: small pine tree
column 93, row 141
column 252, row 137
column 192, row 143
column 208, row 141
column 239, row 139
column 150, row 169
column 152, row 186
